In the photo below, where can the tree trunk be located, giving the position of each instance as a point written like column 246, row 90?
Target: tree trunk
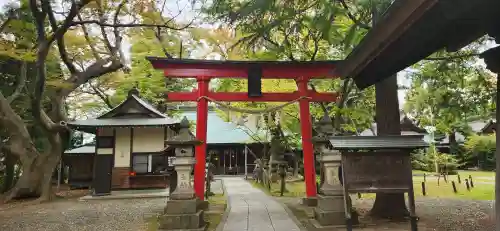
column 28, row 184
column 388, row 205
column 295, row 166
column 9, row 174
column 37, row 168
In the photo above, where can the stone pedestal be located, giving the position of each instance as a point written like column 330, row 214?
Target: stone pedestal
column 182, row 215
column 310, row 201
column 330, row 211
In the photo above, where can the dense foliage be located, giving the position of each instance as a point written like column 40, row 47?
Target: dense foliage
column 480, row 151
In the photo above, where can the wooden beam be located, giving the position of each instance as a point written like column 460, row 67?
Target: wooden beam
column 267, row 73
column 243, row 97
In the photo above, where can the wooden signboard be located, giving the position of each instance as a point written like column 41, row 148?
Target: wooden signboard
column 381, row 171
column 385, row 171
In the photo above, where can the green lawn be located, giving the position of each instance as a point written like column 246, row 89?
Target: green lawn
column 483, row 187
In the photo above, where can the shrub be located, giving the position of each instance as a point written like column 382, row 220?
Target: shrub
column 480, row 151
column 426, row 160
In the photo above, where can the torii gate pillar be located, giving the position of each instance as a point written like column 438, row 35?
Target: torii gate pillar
column 307, row 145
column 201, row 134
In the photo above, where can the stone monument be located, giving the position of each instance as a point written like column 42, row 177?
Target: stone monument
column 182, row 211
column 330, row 211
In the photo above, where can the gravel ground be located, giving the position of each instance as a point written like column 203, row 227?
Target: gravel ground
column 449, row 214
column 123, row 215
column 99, row 215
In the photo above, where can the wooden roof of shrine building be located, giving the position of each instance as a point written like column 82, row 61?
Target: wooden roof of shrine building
column 132, row 112
column 411, row 30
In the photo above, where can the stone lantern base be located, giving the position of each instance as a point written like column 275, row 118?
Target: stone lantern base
column 310, row 201
column 330, row 213
column 185, row 215
column 330, row 210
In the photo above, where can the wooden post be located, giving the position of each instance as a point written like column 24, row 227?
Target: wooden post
column 467, row 184
column 282, row 176
column 423, row 189
column 459, row 180
column 246, row 162
column 454, row 186
column 359, row 195
column 471, row 182
column 425, row 176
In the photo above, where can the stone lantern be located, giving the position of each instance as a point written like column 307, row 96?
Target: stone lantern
column 181, row 212
column 330, row 210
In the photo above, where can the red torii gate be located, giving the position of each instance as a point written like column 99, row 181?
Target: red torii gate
column 205, row 70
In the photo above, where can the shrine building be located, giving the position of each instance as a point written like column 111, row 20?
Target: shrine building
column 132, row 153
column 129, row 152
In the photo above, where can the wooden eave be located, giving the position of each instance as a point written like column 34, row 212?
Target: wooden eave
column 411, row 30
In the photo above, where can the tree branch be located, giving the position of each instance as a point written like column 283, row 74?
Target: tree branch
column 19, row 137
column 98, row 68
column 39, row 20
column 118, row 37
column 103, row 30
column 129, row 25
column 316, row 47
column 68, row 21
column 61, row 47
column 451, row 57
column 352, row 17
column 43, row 45
column 101, row 95
column 21, row 82
column 87, row 38
column 160, row 40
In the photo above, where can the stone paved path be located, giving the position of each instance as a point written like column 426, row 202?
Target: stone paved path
column 252, row 210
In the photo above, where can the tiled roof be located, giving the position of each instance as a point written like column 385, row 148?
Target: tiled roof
column 221, row 132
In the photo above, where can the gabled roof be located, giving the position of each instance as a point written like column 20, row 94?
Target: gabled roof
column 132, row 112
column 482, row 126
column 141, row 106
